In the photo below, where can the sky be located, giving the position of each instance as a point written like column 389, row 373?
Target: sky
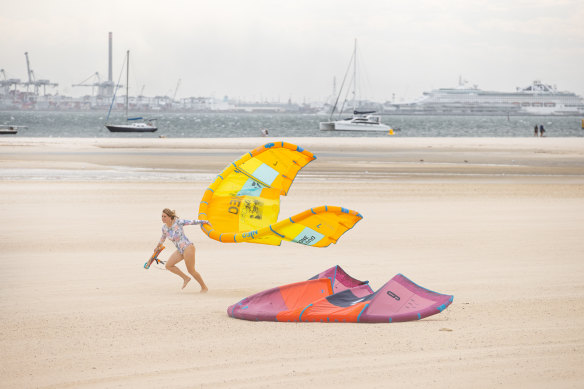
column 274, row 50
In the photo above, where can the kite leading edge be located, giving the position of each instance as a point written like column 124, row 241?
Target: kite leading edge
column 243, row 202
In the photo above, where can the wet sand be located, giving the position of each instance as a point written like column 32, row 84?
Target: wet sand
column 498, row 223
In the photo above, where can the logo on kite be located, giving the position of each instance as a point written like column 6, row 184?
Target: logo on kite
column 249, row 234
column 252, row 209
column 393, row 295
column 306, row 240
column 234, row 205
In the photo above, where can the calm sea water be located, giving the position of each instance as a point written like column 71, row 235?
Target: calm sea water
column 233, row 125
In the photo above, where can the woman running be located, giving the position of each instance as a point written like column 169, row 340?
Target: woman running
column 172, row 229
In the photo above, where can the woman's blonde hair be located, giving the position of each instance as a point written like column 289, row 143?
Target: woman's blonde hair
column 171, row 213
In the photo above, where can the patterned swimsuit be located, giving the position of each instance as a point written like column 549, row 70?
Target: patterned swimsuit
column 176, row 234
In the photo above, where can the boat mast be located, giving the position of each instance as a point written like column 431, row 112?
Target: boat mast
column 355, row 77
column 342, row 88
column 127, row 81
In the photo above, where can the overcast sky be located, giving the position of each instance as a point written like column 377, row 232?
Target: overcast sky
column 276, row 50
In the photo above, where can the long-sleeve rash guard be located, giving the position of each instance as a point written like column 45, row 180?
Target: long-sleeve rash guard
column 176, row 234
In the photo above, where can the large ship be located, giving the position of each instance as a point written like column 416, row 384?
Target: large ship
column 535, row 99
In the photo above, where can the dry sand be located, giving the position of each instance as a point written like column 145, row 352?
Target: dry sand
column 498, row 223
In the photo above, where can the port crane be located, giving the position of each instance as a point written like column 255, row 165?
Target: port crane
column 7, row 83
column 32, row 81
column 103, row 88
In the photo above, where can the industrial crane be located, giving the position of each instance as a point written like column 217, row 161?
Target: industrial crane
column 7, row 83
column 102, row 87
column 36, row 83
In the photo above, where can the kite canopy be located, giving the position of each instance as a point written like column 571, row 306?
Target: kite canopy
column 243, row 202
column 334, row 296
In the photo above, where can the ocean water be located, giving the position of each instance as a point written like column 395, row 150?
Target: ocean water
column 233, row 125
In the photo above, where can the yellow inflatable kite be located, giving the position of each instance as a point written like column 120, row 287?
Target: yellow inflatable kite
column 243, row 203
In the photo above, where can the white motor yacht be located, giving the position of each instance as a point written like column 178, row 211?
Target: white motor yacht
column 361, row 121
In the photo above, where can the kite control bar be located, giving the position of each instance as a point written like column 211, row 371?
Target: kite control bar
column 154, row 257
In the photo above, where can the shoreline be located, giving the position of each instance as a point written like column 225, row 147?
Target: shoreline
column 320, row 143
column 361, row 159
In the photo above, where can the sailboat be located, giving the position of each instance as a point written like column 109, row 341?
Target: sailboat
column 135, row 124
column 360, row 120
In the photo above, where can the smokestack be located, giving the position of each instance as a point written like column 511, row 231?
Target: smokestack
column 109, row 72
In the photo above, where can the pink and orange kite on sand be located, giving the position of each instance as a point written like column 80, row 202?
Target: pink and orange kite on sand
column 335, row 296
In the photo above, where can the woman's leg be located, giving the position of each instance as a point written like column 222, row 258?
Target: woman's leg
column 175, row 258
column 189, row 256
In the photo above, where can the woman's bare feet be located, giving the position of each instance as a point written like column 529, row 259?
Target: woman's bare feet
column 204, row 289
column 186, row 282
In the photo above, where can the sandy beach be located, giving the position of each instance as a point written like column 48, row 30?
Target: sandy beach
column 496, row 222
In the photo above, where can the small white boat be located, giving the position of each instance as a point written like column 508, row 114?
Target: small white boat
column 8, row 129
column 361, row 120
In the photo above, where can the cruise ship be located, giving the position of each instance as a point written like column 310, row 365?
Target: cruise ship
column 535, row 99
